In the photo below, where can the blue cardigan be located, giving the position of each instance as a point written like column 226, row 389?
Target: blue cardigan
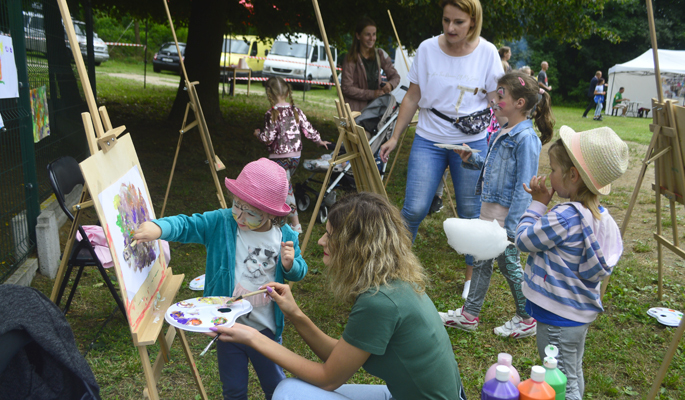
column 217, row 231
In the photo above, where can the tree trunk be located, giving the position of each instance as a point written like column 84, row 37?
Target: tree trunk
column 206, row 27
column 136, row 30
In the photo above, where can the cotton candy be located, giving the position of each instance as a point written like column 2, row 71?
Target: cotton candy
column 481, row 239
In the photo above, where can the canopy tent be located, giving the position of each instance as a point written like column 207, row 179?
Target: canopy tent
column 637, row 76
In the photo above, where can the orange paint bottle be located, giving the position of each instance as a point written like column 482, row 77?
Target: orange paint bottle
column 536, row 388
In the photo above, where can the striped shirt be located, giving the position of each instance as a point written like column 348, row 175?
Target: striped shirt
column 570, row 254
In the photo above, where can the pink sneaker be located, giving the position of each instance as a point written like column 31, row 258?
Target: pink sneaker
column 454, row 319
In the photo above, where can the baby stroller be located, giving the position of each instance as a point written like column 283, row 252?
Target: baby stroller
column 378, row 119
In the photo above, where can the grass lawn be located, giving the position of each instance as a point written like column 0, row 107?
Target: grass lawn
column 624, row 346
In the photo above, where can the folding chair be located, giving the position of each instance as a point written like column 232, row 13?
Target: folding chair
column 64, row 175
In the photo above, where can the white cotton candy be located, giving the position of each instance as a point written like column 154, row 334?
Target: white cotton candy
column 481, row 239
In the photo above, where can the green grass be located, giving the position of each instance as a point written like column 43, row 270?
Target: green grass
column 629, row 129
column 624, row 347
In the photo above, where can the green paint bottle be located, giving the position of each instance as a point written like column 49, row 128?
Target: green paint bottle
column 553, row 376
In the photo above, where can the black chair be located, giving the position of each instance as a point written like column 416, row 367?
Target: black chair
column 64, row 175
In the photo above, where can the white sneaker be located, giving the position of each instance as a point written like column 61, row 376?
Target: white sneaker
column 454, row 319
column 516, row 328
column 465, row 293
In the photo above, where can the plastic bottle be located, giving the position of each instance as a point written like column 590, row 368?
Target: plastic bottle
column 536, row 388
column 554, row 376
column 503, row 359
column 501, row 387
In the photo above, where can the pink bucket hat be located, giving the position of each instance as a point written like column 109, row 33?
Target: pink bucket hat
column 262, row 184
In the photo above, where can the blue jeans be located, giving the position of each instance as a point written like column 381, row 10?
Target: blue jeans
column 233, row 358
column 426, row 166
column 295, row 389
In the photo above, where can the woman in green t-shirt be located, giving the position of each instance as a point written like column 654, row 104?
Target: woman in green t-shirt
column 393, row 331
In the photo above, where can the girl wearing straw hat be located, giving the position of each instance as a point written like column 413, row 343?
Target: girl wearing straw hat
column 248, row 245
column 574, row 246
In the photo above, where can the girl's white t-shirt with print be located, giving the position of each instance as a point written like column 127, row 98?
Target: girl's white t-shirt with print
column 256, row 260
column 447, row 81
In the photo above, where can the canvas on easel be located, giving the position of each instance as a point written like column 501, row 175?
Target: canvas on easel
column 116, row 184
column 215, row 164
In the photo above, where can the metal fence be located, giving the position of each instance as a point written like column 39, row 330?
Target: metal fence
column 44, row 61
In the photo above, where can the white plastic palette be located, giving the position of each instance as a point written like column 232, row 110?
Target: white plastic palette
column 201, row 313
column 197, row 283
column 666, row 316
column 455, row 147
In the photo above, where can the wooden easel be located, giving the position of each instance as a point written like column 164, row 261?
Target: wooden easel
column 215, row 163
column 366, row 175
column 666, row 151
column 146, row 318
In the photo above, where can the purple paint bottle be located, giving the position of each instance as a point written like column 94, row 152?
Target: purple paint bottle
column 504, row 359
column 501, row 387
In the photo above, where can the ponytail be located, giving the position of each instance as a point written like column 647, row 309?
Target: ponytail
column 542, row 115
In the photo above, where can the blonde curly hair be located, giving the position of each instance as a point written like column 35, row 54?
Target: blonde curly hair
column 370, row 246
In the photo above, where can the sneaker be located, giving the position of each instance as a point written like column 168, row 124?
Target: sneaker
column 584, row 116
column 454, row 319
column 516, row 328
column 436, row 205
column 465, row 293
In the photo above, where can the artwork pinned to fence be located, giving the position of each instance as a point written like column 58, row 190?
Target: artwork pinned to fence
column 39, row 109
column 125, row 204
column 9, row 83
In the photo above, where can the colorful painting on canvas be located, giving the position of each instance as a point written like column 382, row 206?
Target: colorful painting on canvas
column 126, row 205
column 39, row 109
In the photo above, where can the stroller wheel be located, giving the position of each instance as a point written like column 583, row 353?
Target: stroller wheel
column 303, row 202
column 322, row 217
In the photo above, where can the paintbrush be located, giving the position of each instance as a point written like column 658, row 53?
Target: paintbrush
column 242, row 296
column 210, row 344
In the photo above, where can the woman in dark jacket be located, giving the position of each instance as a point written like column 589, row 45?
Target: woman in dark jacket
column 361, row 75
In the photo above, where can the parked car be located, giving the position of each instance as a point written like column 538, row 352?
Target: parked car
column 167, row 58
column 301, row 57
column 100, row 49
column 237, row 47
column 34, row 33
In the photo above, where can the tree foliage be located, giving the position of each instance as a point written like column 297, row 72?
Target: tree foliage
column 567, row 21
column 573, row 65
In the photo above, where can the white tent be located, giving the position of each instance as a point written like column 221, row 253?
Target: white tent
column 637, row 76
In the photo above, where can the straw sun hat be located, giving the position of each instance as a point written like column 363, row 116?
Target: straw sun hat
column 262, row 184
column 599, row 155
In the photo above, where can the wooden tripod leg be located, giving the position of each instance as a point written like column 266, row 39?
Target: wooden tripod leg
column 173, row 166
column 67, row 249
column 150, row 390
column 397, row 155
column 446, row 190
column 638, row 185
column 191, row 362
column 677, row 337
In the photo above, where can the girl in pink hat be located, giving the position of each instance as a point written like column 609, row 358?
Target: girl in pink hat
column 248, row 246
column 284, row 126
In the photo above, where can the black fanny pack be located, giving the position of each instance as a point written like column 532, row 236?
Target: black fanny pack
column 471, row 124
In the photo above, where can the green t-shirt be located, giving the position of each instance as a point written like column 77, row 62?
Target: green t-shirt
column 617, row 97
column 410, row 349
column 371, row 67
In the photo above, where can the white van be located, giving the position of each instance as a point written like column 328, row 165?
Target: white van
column 303, row 57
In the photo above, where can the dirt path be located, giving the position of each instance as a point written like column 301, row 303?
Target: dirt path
column 173, row 80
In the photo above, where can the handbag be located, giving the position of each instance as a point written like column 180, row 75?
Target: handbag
column 471, row 124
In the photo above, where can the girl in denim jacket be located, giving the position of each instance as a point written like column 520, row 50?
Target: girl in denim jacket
column 511, row 161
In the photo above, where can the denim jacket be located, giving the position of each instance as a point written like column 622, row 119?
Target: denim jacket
column 511, row 161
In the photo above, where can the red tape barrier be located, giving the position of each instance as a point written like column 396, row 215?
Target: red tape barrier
column 124, row 44
column 287, row 80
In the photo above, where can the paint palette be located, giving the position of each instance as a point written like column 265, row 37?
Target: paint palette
column 455, row 147
column 666, row 316
column 201, row 313
column 197, row 283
